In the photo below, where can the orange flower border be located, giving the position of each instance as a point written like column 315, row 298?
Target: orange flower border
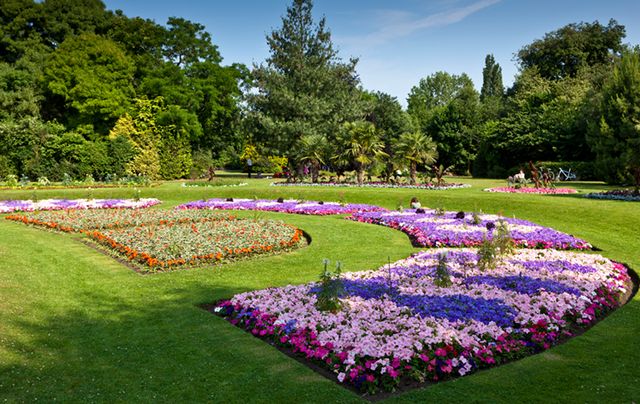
column 152, row 264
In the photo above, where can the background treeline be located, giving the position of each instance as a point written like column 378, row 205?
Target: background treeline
column 84, row 90
column 87, row 91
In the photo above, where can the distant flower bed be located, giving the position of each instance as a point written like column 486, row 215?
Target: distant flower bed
column 98, row 219
column 371, row 185
column 451, row 229
column 396, row 325
column 524, row 190
column 618, row 194
column 64, row 204
column 214, row 184
column 167, row 246
column 285, row 206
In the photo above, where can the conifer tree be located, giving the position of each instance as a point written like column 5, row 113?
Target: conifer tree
column 304, row 88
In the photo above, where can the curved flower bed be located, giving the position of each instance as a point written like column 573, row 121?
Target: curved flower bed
column 458, row 229
column 396, row 325
column 81, row 220
column 65, row 204
column 375, row 184
column 542, row 191
column 618, row 195
column 166, row 246
column 285, row 206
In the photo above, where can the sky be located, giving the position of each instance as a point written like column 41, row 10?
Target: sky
column 397, row 42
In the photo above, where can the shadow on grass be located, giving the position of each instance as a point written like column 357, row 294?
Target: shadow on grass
column 104, row 349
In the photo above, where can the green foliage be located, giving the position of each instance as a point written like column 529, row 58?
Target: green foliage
column 89, row 79
column 359, row 145
column 564, row 52
column 493, row 249
column 304, row 88
column 446, row 107
column 491, row 79
column 545, row 121
column 330, row 289
column 442, row 276
column 313, row 150
column 413, row 149
column 71, row 153
column 616, row 139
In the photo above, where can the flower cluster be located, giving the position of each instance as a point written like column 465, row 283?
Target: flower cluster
column 396, row 323
column 617, row 194
column 97, row 219
column 524, row 190
column 66, row 204
column 372, row 184
column 164, row 246
column 285, row 206
column 213, row 184
column 451, row 229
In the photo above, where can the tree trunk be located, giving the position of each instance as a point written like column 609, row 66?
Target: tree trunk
column 412, row 172
column 315, row 170
column 360, row 176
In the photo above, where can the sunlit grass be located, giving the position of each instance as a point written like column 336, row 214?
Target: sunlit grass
column 76, row 325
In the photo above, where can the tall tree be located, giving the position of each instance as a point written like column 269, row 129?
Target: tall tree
column 445, row 107
column 562, row 53
column 391, row 121
column 89, row 79
column 304, row 88
column 616, row 140
column 491, row 79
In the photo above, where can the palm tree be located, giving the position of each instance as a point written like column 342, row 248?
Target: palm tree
column 312, row 149
column 413, row 148
column 360, row 144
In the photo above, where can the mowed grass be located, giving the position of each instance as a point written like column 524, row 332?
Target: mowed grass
column 76, row 325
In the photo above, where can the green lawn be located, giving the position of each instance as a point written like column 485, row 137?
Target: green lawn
column 75, row 325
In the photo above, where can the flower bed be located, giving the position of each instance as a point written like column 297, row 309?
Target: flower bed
column 166, row 246
column 208, row 184
column 375, row 184
column 452, row 229
column 618, row 194
column 542, row 191
column 97, row 219
column 285, row 206
column 395, row 325
column 65, row 204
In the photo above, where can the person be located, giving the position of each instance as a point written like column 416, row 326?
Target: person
column 519, row 177
column 415, row 204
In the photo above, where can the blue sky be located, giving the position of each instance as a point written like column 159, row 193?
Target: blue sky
column 398, row 42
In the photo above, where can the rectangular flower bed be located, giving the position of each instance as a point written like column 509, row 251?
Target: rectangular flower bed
column 451, row 229
column 395, row 325
column 164, row 246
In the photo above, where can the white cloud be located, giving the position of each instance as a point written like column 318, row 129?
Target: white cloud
column 393, row 24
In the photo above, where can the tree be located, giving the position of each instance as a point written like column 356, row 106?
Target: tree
column 313, row 149
column 304, row 88
column 491, row 79
column 414, row 148
column 616, row 140
column 391, row 121
column 187, row 43
column 359, row 144
column 562, row 53
column 445, row 107
column 90, row 80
